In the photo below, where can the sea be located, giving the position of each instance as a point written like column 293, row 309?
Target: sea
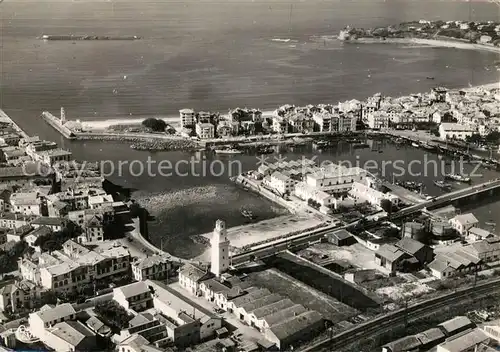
column 215, row 55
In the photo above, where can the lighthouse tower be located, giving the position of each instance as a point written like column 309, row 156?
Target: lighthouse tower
column 220, row 249
column 63, row 116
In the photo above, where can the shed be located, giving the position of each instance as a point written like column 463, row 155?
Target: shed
column 456, row 325
column 341, row 238
column 405, row 344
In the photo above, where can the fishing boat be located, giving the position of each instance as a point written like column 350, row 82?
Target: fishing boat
column 428, row 146
column 429, row 77
column 443, row 185
column 459, row 178
column 229, row 151
column 415, row 144
column 265, row 150
column 491, row 223
column 247, row 213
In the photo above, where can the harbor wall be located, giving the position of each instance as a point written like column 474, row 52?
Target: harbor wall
column 57, row 125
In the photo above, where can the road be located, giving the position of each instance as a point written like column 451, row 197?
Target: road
column 391, row 321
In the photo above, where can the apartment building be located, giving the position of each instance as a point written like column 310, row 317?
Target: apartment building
column 136, row 297
column 155, row 267
column 205, row 130
column 27, row 203
column 187, row 117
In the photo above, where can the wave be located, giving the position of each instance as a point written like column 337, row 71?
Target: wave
column 286, row 40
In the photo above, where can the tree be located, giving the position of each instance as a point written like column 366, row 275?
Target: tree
column 157, row 125
column 114, row 314
column 493, row 137
column 386, row 205
column 474, row 139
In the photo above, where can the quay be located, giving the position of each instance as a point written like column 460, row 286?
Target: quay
column 314, row 236
column 58, row 124
column 405, row 195
column 4, row 118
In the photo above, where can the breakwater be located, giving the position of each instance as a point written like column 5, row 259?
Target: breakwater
column 87, row 37
column 56, row 123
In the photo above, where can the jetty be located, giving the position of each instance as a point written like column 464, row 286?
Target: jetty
column 87, row 37
column 4, row 118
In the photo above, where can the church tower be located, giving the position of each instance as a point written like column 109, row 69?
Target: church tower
column 220, row 249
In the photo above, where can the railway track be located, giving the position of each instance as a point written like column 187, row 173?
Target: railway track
column 390, row 321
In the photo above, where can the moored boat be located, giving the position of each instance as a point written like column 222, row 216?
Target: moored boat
column 416, row 145
column 442, row 184
column 230, row 151
column 459, row 178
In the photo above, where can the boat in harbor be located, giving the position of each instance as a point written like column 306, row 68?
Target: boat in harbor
column 491, row 223
column 443, row 185
column 428, row 147
column 459, row 178
column 321, row 144
column 265, row 150
column 247, row 214
column 430, row 77
column 415, row 144
column 228, row 151
column 360, row 145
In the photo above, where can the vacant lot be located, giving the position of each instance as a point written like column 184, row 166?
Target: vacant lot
column 278, row 282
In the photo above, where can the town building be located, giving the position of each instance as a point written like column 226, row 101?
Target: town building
column 449, row 130
column 20, row 296
column 378, row 120
column 191, row 276
column 463, row 223
column 47, row 317
column 54, row 223
column 136, row 297
column 476, row 234
column 466, row 341
column 280, row 183
column 205, row 130
column 364, row 193
column 187, row 118
column 155, row 267
column 27, row 203
column 35, row 234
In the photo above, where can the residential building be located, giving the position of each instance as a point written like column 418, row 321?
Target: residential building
column 53, row 156
column 19, row 296
column 191, row 276
column 335, row 178
column 93, row 229
column 54, row 223
column 148, row 326
column 136, row 297
column 12, row 220
column 280, row 183
column 280, row 125
column 449, row 130
column 423, row 253
column 137, row 343
column 463, row 223
column 364, row 193
column 322, row 121
column 391, row 257
column 27, row 203
column 476, row 234
column 31, row 237
column 378, row 120
column 99, row 201
column 487, row 250
column 27, row 175
column 48, row 316
column 205, row 130
column 69, row 336
column 187, row 118
column 446, row 265
column 155, row 267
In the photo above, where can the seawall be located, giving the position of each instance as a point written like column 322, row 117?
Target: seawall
column 57, row 125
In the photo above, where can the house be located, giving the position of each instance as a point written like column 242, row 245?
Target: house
column 5, row 200
column 70, row 336
column 466, row 341
column 188, row 322
column 205, row 130
column 281, row 183
column 391, row 257
column 48, row 316
column 456, row 325
column 20, row 295
column 152, row 327
column 423, row 253
column 55, row 224
column 378, row 120
column 364, row 193
column 137, row 343
column 463, row 223
column 448, row 264
column 449, row 130
column 486, row 250
column 155, row 267
column 476, row 234
column 93, row 229
column 190, row 277
column 341, row 238
column 136, row 296
column 53, row 156
column 32, row 236
column 98, row 327
column 27, row 203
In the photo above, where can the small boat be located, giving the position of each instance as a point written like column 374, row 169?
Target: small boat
column 380, row 151
column 428, row 146
column 415, row 144
column 491, row 223
column 231, row 151
column 459, row 178
column 321, row 144
column 265, row 150
column 442, row 184
column 247, row 213
column 429, row 77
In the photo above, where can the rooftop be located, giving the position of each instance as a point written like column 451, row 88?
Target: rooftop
column 131, row 290
column 150, row 261
column 73, row 332
column 457, row 323
column 61, row 311
column 294, row 325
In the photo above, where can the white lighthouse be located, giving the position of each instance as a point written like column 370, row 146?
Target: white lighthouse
column 220, row 249
column 63, row 116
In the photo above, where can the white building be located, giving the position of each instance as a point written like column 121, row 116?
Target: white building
column 27, row 203
column 219, row 249
column 48, row 316
column 153, row 267
column 280, row 125
column 187, row 117
column 136, row 296
column 364, row 193
column 280, row 183
column 377, row 120
column 323, row 121
column 205, row 130
column 335, row 178
column 448, row 130
column 463, row 223
column 190, row 278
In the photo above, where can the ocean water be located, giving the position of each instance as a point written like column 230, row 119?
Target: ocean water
column 211, row 55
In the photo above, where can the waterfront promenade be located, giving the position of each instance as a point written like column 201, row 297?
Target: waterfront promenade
column 4, row 118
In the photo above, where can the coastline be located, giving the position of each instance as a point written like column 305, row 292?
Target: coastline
column 443, row 43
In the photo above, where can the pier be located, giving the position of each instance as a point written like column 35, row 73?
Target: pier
column 4, row 118
column 58, row 124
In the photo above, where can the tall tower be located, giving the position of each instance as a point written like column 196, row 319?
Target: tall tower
column 63, row 116
column 220, row 249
